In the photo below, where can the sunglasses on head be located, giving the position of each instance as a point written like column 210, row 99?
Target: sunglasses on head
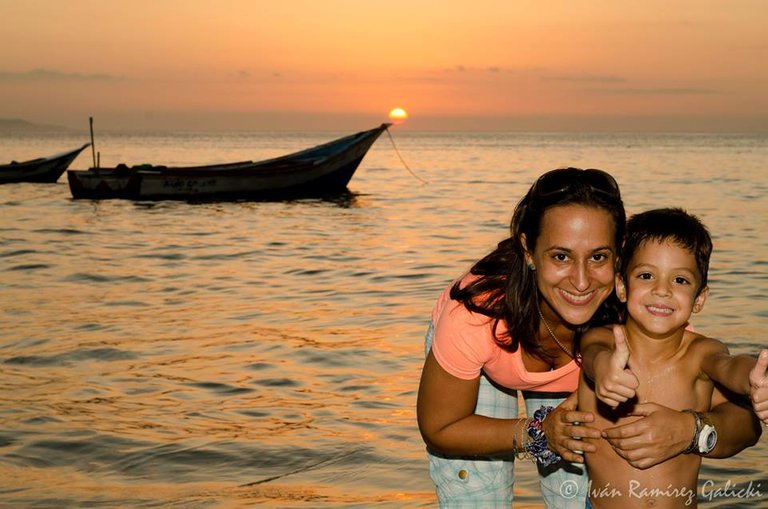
column 564, row 179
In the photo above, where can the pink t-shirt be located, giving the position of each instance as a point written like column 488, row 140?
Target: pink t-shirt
column 464, row 345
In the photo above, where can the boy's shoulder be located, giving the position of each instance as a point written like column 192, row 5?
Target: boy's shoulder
column 699, row 343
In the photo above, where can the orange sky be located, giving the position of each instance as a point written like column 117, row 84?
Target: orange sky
column 482, row 64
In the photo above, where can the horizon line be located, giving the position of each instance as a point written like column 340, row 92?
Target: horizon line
column 192, row 121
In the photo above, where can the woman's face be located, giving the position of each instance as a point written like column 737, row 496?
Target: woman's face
column 575, row 257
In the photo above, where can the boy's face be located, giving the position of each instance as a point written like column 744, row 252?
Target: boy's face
column 662, row 288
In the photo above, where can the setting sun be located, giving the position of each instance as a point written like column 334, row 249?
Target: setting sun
column 398, row 115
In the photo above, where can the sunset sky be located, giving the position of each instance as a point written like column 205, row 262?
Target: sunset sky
column 694, row 65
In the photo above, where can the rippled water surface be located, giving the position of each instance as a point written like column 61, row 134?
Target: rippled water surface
column 255, row 353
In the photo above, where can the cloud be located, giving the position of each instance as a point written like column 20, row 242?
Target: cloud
column 611, row 79
column 493, row 69
column 658, row 91
column 586, row 78
column 54, row 75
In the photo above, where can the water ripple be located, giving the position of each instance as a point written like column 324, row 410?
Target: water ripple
column 101, row 354
column 252, row 353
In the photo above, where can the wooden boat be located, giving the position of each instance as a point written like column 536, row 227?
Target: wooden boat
column 318, row 171
column 42, row 169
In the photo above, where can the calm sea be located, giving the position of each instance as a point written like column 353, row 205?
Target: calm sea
column 238, row 354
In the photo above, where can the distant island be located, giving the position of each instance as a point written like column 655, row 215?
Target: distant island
column 19, row 126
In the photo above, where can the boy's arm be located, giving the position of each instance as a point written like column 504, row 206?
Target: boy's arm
column 742, row 374
column 605, row 354
column 730, row 371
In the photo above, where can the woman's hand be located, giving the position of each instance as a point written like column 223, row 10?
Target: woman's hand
column 663, row 433
column 564, row 427
column 660, row 434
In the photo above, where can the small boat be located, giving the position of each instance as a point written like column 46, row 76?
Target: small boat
column 42, row 169
column 314, row 172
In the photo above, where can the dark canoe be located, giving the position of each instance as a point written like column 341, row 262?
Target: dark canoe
column 43, row 169
column 318, row 171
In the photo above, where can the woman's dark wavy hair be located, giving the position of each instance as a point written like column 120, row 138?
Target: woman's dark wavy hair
column 505, row 288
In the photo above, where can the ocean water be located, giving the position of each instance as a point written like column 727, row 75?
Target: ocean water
column 169, row 354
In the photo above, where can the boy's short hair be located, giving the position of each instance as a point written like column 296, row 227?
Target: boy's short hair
column 668, row 224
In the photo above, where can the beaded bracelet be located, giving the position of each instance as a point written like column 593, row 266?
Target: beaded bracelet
column 521, row 446
column 537, row 445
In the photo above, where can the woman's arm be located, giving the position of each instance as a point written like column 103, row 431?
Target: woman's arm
column 445, row 411
column 663, row 433
column 448, row 424
column 737, row 426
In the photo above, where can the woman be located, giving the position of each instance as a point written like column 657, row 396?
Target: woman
column 513, row 323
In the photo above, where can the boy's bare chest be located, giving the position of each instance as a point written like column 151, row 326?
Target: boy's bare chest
column 675, row 384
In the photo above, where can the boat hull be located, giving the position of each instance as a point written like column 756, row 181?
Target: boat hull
column 44, row 169
column 317, row 171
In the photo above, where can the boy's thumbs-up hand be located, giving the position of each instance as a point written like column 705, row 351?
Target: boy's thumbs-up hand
column 614, row 381
column 758, row 385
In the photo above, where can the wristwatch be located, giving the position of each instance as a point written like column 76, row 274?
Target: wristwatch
column 704, row 436
column 707, row 436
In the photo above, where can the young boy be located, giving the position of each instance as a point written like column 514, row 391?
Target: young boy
column 663, row 280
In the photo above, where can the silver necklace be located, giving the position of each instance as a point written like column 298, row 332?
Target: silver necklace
column 563, row 348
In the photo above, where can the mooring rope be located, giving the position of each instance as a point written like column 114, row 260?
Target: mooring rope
column 401, row 157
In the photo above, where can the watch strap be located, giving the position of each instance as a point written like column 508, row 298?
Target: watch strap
column 693, row 446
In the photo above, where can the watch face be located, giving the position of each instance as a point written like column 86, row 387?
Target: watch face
column 707, row 439
column 711, row 440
